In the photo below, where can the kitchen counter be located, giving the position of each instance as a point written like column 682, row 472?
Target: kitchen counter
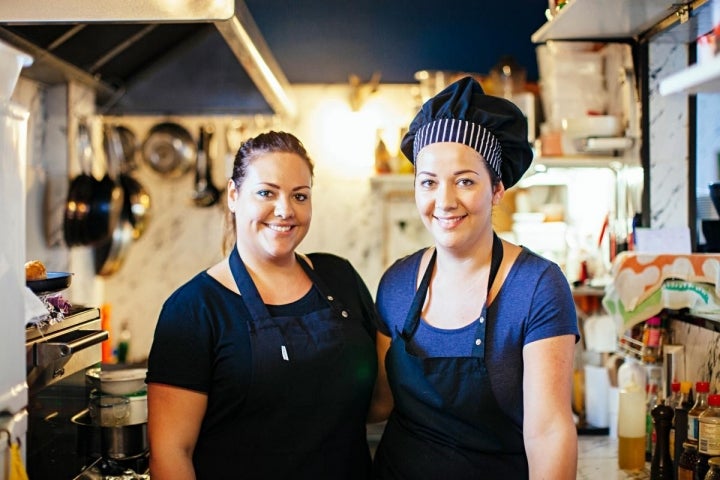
column 597, row 459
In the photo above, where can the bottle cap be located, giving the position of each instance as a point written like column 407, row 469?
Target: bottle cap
column 675, row 386
column 685, row 387
column 653, row 321
column 702, row 387
column 714, row 400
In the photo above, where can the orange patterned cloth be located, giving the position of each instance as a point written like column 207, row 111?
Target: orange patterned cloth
column 644, row 283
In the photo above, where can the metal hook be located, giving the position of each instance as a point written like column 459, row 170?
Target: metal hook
column 9, row 435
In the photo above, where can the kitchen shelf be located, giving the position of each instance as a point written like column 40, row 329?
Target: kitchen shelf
column 592, row 20
column 579, row 161
column 698, row 78
column 391, row 180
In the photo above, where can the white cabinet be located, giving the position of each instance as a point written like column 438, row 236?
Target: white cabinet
column 607, row 19
column 622, row 19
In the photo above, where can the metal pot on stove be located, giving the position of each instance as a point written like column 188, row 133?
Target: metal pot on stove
column 114, row 442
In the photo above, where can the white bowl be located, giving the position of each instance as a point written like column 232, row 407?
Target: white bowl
column 117, row 382
column 591, row 126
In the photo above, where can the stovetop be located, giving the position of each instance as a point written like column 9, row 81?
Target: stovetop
column 77, row 315
column 105, row 469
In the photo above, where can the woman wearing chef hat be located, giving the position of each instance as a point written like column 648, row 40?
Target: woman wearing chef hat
column 479, row 333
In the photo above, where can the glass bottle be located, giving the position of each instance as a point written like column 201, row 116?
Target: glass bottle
column 674, row 394
column 701, row 404
column 652, row 340
column 680, row 420
column 650, row 434
column 702, row 467
column 661, row 466
column 687, row 461
column 404, row 164
column 713, row 469
column 382, row 155
column 709, row 428
column 631, row 427
column 123, row 346
column 686, row 395
column 671, row 402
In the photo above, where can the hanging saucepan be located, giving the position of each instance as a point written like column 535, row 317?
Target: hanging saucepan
column 129, row 144
column 136, row 205
column 130, row 148
column 80, row 192
column 105, row 209
column 110, row 254
column 169, row 149
column 205, row 194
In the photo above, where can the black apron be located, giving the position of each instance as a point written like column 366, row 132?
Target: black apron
column 307, row 403
column 446, row 422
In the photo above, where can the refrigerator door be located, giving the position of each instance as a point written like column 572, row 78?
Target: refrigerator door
column 13, row 162
column 13, row 154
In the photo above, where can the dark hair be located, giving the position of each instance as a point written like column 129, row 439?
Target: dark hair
column 269, row 142
column 252, row 148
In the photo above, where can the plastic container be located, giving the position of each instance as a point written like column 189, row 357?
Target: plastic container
column 702, row 390
column 709, row 427
column 632, row 371
column 12, row 62
column 631, row 427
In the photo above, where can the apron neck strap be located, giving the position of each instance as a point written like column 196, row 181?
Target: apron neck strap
column 413, row 317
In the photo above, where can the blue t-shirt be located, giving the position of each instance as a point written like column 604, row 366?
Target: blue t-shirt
column 534, row 302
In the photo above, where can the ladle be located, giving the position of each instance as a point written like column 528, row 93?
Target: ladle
column 205, row 194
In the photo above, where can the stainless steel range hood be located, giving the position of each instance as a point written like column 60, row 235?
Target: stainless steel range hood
column 231, row 19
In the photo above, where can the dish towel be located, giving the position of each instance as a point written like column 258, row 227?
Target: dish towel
column 35, row 309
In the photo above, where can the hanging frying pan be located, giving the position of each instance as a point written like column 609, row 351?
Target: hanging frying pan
column 80, row 193
column 136, row 202
column 110, row 254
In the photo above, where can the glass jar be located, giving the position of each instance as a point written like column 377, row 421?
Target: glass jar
column 713, row 472
column 652, row 340
column 709, row 431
